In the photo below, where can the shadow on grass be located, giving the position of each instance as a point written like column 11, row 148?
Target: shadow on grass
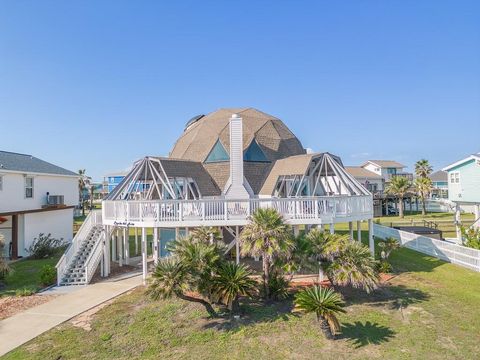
column 362, row 334
column 395, row 297
column 253, row 312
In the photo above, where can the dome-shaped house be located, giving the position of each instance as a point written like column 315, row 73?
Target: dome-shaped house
column 223, row 167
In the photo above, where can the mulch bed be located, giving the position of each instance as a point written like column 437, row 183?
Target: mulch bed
column 11, row 305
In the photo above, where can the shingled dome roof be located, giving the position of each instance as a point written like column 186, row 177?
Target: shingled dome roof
column 265, row 140
column 270, row 133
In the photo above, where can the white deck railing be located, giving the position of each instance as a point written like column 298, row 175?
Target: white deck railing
column 457, row 254
column 92, row 219
column 311, row 210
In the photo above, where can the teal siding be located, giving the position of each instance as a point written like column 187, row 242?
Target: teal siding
column 468, row 189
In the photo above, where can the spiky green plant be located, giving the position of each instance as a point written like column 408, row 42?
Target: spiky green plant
column 5, row 269
column 355, row 267
column 423, row 168
column 398, row 187
column 206, row 234
column 388, row 245
column 268, row 236
column 171, row 278
column 231, row 281
column 325, row 303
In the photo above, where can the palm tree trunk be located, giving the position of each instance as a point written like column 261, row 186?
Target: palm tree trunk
column 266, row 276
column 424, row 207
column 325, row 328
column 206, row 304
column 400, row 207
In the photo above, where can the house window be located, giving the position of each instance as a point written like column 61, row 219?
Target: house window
column 392, row 171
column 1, row 182
column 254, row 153
column 28, row 187
column 457, row 178
column 217, row 154
column 454, row 178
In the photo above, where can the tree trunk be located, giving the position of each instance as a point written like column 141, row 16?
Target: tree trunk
column 206, row 304
column 400, row 207
column 266, row 276
column 326, row 329
column 424, row 207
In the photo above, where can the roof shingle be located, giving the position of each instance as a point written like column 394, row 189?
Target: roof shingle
column 29, row 164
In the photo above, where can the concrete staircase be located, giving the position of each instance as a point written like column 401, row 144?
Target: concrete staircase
column 75, row 272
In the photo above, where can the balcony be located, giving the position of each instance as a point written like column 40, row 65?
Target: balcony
column 389, row 177
column 226, row 212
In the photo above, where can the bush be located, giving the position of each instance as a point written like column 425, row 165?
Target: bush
column 384, row 267
column 24, row 292
column 4, row 267
column 48, row 275
column 46, row 246
column 278, row 286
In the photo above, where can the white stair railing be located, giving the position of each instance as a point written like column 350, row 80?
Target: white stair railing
column 93, row 218
column 94, row 258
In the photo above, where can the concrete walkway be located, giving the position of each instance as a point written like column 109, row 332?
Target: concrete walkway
column 22, row 327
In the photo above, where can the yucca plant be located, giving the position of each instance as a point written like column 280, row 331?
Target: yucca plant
column 355, row 267
column 325, row 303
column 388, row 245
column 231, row 281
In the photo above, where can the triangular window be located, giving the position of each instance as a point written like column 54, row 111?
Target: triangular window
column 254, row 153
column 217, row 154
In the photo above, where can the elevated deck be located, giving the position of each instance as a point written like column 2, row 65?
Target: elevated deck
column 227, row 212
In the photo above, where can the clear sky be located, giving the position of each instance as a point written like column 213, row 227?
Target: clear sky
column 99, row 84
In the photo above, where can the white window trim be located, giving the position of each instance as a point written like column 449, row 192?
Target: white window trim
column 455, row 177
column 25, row 187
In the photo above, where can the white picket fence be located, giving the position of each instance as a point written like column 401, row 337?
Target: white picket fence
column 456, row 254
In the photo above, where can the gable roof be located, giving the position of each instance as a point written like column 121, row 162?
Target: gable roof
column 460, row 162
column 24, row 163
column 439, row 175
column 385, row 163
column 360, row 172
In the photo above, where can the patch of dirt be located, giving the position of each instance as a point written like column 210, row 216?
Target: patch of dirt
column 11, row 305
column 84, row 320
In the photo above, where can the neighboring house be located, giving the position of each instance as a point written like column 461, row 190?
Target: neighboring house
column 223, row 167
column 112, row 180
column 35, row 197
column 387, row 169
column 373, row 182
column 439, row 184
column 464, row 183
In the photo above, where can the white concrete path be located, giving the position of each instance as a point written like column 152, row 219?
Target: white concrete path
column 22, row 327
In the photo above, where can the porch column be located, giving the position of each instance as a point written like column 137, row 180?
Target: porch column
column 14, row 236
column 350, row 228
column 321, row 227
column 332, row 228
column 155, row 246
column 477, row 216
column 136, row 241
column 296, row 230
column 458, row 223
column 359, row 231
column 114, row 244
column 370, row 237
column 126, row 244
column 237, row 245
column 107, row 250
column 119, row 248
column 144, row 255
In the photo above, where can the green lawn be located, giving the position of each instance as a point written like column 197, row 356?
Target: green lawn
column 429, row 311
column 26, row 274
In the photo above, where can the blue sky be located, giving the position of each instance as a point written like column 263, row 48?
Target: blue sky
column 99, row 84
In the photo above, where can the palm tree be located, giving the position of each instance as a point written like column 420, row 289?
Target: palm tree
column 206, row 234
column 423, row 185
column 170, row 278
column 388, row 245
column 231, row 281
column 83, row 183
column 323, row 247
column 268, row 236
column 398, row 186
column 325, row 303
column 355, row 267
column 423, row 168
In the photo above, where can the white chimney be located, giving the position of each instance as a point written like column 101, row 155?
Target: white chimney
column 235, row 188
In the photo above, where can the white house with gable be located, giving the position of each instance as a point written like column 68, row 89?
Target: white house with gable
column 35, row 197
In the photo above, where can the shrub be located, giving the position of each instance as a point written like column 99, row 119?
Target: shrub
column 384, row 267
column 471, row 237
column 4, row 268
column 278, row 286
column 48, row 275
column 24, row 292
column 46, row 246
